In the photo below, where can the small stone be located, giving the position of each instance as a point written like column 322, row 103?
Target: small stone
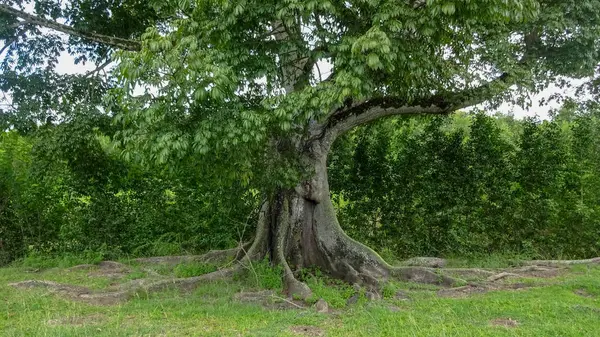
column 356, row 287
column 352, row 300
column 401, row 295
column 372, row 296
column 321, row 306
column 429, row 262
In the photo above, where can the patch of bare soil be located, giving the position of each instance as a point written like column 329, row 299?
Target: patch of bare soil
column 307, row 330
column 121, row 292
column 73, row 292
column 505, row 322
column 77, row 320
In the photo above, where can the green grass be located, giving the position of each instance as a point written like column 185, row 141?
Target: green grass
column 566, row 306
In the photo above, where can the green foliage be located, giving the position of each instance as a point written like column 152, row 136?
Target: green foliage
column 443, row 187
column 169, row 151
column 335, row 292
column 41, row 260
column 262, row 274
column 65, row 190
column 469, row 185
column 235, row 81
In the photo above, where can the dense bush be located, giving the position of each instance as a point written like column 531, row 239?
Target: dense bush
column 66, row 190
column 465, row 184
column 472, row 184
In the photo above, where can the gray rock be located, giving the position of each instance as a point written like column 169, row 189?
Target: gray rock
column 352, row 300
column 322, row 306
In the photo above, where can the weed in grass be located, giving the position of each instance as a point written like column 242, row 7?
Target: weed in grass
column 193, row 269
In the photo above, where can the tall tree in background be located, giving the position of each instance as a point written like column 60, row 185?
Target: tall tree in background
column 258, row 91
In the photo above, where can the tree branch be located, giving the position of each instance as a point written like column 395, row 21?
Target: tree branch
column 98, row 69
column 355, row 114
column 7, row 44
column 112, row 41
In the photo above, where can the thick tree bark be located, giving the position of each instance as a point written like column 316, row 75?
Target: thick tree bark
column 298, row 228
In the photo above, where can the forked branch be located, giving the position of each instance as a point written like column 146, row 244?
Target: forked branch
column 111, row 41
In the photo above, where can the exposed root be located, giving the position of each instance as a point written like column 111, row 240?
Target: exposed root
column 473, row 289
column 470, row 273
column 124, row 291
column 429, row 262
column 424, row 275
column 104, row 265
column 296, row 289
column 501, row 276
column 244, row 254
column 595, row 260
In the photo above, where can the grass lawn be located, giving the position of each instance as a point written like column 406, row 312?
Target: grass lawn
column 565, row 305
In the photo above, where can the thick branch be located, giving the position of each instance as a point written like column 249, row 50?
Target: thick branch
column 355, row 114
column 112, row 41
column 7, row 44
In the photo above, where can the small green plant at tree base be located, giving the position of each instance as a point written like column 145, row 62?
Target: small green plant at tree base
column 262, row 274
column 333, row 291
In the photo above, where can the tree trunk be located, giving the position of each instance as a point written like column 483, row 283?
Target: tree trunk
column 299, row 228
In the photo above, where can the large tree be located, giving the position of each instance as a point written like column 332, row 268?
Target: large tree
column 258, row 91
